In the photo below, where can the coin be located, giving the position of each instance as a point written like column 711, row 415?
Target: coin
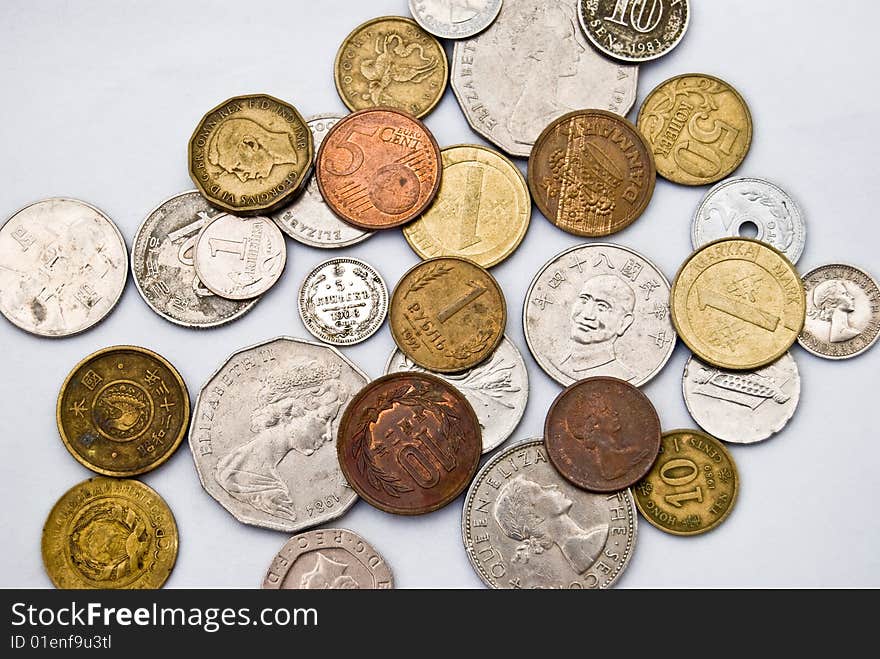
column 109, row 533
column 481, row 211
column 123, row 411
column 524, row 526
column 391, row 62
column 633, row 30
column 843, row 311
column 250, row 154
column 328, row 559
column 737, row 303
column 409, row 443
column 454, row 19
column 447, row 314
column 62, row 267
column 343, row 301
column 261, row 430
column 698, row 126
column 692, row 487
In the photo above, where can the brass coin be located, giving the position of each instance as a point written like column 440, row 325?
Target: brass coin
column 109, row 533
column 737, row 303
column 447, row 314
column 481, row 211
column 123, row 411
column 698, row 126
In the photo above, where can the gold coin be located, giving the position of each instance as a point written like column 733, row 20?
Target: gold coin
column 692, row 486
column 738, row 303
column 447, row 314
column 109, row 533
column 123, row 411
column 391, row 62
column 698, row 126
column 481, row 211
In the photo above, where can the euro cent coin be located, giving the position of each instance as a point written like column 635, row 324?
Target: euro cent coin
column 634, row 30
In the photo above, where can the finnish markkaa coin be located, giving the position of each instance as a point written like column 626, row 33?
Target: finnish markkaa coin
column 63, row 266
column 454, row 19
column 525, row 526
column 634, row 30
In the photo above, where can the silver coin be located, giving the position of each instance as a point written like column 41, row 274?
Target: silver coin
column 63, row 266
column 599, row 309
column 525, row 526
column 454, row 19
column 264, row 430
column 308, row 219
column 343, row 301
column 497, row 389
column 736, row 204
column 530, row 67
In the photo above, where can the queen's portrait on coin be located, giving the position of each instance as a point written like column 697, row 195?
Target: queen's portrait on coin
column 244, row 148
column 833, row 303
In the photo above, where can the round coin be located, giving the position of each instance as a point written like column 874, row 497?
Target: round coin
column 454, row 19
column 634, row 30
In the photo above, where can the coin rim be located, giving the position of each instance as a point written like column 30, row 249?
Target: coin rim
column 447, row 35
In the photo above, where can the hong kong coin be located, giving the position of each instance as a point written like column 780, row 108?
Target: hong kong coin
column 454, row 19
column 109, row 533
column 63, row 266
column 343, row 301
column 615, row 305
column 497, row 389
column 328, row 559
column 250, row 154
column 738, row 304
column 123, row 411
column 409, row 443
column 524, row 526
column 635, row 30
column 263, row 433
column 843, row 311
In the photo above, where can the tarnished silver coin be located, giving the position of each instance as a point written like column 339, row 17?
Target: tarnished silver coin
column 264, row 430
column 63, row 266
column 525, row 526
column 635, row 30
column 497, row 389
column 454, row 19
column 599, row 309
column 343, row 301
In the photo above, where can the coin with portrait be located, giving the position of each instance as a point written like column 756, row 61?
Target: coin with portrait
column 454, row 19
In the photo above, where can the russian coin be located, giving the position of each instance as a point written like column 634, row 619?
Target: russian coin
column 250, row 154
column 454, row 19
column 497, row 389
column 343, row 301
column 843, row 311
column 634, row 30
column 615, row 305
column 524, row 526
column 109, row 533
column 481, row 211
column 123, row 411
column 63, row 266
column 737, row 303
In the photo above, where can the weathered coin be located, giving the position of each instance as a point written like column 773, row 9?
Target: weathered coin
column 343, row 301
column 481, row 211
column 698, row 126
column 63, row 266
column 524, row 526
column 391, row 62
column 634, row 30
column 409, row 443
column 454, row 19
column 843, row 311
column 447, row 314
column 123, row 411
column 737, row 303
column 328, row 559
column 261, row 429
column 109, row 533
column 692, row 487
column 497, row 389
column 250, row 154
column 615, row 305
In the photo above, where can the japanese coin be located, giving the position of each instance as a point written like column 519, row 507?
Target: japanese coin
column 635, row 30
column 409, row 443
column 109, row 533
column 63, row 266
column 524, row 526
column 123, row 411
column 454, row 19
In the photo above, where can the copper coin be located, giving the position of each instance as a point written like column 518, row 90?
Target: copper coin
column 379, row 168
column 602, row 434
column 409, row 443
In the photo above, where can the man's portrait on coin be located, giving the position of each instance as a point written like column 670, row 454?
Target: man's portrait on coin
column 244, row 148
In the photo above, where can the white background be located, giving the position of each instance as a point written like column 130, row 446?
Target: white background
column 99, row 99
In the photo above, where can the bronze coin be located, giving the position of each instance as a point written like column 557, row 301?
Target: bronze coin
column 602, row 434
column 409, row 443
